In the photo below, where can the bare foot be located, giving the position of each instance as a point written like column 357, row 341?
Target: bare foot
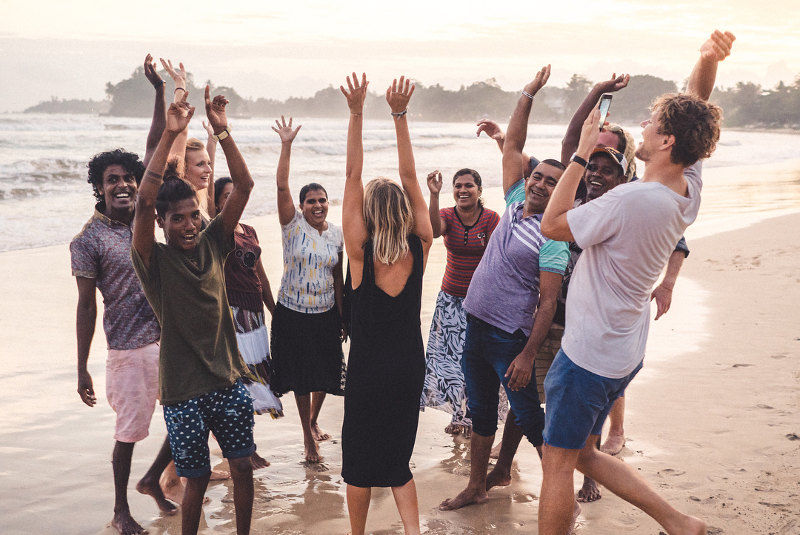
column 152, row 488
column 258, row 461
column 467, row 496
column 125, row 524
column 318, row 434
column 172, row 487
column 452, row 429
column 590, row 492
column 312, row 453
column 495, row 453
column 497, row 478
column 219, row 475
column 688, row 525
column 613, row 444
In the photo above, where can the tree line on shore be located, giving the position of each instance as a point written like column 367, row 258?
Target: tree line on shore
column 745, row 104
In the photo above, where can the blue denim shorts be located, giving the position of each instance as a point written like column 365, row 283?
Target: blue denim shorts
column 578, row 402
column 227, row 412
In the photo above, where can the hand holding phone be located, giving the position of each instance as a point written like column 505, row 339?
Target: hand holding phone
column 605, row 104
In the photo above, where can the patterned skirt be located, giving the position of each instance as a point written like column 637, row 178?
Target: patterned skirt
column 444, row 387
column 253, row 341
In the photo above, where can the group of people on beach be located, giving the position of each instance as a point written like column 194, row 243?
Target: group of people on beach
column 563, row 278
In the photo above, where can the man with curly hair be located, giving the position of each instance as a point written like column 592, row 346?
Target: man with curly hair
column 101, row 260
column 626, row 235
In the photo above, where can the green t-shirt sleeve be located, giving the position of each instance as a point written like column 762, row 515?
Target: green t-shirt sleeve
column 215, row 234
column 554, row 256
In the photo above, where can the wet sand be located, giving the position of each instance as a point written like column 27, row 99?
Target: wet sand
column 712, row 419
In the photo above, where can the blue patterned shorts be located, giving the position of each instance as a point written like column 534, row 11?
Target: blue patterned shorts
column 227, row 412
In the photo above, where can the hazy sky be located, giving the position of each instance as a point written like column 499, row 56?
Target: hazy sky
column 277, row 49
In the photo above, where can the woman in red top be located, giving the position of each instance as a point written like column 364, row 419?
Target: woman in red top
column 466, row 228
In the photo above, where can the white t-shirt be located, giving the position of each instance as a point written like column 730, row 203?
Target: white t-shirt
column 627, row 236
column 308, row 261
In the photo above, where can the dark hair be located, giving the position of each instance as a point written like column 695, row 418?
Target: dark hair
column 100, row 162
column 219, row 185
column 554, row 163
column 694, row 123
column 310, row 187
column 172, row 190
column 467, row 171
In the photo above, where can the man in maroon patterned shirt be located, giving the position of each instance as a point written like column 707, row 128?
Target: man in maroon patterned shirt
column 101, row 259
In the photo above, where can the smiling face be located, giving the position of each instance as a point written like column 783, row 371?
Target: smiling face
column 466, row 192
column 119, row 192
column 651, row 139
column 223, row 196
column 602, row 175
column 539, row 186
column 315, row 208
column 181, row 224
column 198, row 168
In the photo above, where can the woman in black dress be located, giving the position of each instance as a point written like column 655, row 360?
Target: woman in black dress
column 387, row 234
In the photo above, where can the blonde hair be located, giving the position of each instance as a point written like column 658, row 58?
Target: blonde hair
column 389, row 219
column 627, row 147
column 194, row 144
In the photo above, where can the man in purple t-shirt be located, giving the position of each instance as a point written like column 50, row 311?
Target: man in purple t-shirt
column 101, row 260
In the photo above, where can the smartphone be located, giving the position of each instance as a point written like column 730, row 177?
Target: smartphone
column 605, row 103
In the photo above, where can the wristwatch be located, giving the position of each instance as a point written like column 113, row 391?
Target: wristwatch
column 222, row 135
column 578, row 160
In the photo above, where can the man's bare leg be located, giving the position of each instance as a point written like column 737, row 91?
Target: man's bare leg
column 121, row 464
column 358, row 507
column 242, row 473
column 304, row 410
column 406, row 499
column 149, row 484
column 623, row 481
column 556, row 501
column 479, row 446
column 192, row 505
column 317, row 398
column 616, row 432
column 589, row 492
column 500, row 476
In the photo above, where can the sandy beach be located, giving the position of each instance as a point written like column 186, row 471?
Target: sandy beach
column 712, row 419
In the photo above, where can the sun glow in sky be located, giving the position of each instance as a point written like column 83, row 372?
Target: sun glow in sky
column 271, row 49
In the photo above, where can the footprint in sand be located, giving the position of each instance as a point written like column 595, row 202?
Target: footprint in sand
column 671, row 472
column 792, row 436
column 764, row 406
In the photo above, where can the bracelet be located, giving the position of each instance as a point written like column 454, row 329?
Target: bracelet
column 178, row 88
column 578, row 160
column 163, row 83
column 527, row 94
column 222, row 135
column 399, row 114
column 356, row 114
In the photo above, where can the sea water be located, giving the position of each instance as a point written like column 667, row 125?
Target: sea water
column 45, row 198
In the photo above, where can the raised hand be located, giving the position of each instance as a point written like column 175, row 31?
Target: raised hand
column 435, row 182
column 491, row 129
column 285, row 131
column 215, row 111
column 208, row 129
column 179, row 114
column 590, row 132
column 538, row 81
column 398, row 94
column 151, row 72
column 615, row 83
column 356, row 93
column 718, row 46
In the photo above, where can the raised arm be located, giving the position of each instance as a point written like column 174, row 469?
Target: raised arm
column 573, row 134
column 353, row 226
column 159, row 108
column 286, row 209
column 493, row 130
column 240, row 175
column 435, row 187
column 517, row 132
column 554, row 221
column 178, row 117
column 211, row 149
column 398, row 95
column 704, row 74
column 179, row 93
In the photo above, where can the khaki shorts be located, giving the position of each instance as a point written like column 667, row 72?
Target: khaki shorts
column 132, row 390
